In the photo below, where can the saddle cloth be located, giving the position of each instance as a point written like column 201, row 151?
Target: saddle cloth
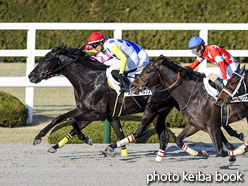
column 210, row 90
column 131, row 76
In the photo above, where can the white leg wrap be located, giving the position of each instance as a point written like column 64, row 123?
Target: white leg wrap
column 160, row 155
column 189, row 150
column 236, row 152
column 245, row 145
column 125, row 141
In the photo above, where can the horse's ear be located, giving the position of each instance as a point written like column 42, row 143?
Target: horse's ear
column 238, row 68
column 242, row 70
column 65, row 45
column 62, row 45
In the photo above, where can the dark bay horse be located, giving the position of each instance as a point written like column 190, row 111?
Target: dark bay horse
column 236, row 93
column 196, row 106
column 236, row 88
column 95, row 100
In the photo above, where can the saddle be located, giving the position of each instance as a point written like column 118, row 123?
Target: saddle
column 212, row 91
column 115, row 85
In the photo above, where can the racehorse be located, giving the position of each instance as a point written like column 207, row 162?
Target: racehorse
column 196, row 106
column 94, row 98
column 236, row 88
column 235, row 92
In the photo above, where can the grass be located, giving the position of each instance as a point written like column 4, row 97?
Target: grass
column 51, row 102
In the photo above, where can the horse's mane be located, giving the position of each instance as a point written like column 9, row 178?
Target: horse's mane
column 83, row 58
column 187, row 73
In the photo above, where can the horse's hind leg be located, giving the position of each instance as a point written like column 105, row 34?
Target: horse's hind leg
column 233, row 133
column 55, row 121
column 228, row 145
column 68, row 137
column 186, row 132
column 115, row 123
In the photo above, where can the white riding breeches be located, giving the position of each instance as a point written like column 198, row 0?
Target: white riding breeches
column 216, row 70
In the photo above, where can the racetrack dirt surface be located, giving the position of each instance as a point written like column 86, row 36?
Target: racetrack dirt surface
column 84, row 165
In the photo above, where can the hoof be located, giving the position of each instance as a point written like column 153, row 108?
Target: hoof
column 203, row 154
column 241, row 137
column 36, row 141
column 52, row 150
column 232, row 160
column 89, row 141
column 109, row 152
column 158, row 159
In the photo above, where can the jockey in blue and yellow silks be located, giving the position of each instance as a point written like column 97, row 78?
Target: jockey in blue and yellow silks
column 127, row 55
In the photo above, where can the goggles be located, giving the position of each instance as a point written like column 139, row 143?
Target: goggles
column 94, row 45
column 196, row 50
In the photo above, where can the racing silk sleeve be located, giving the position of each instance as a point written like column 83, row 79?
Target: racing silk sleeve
column 215, row 55
column 103, row 58
column 93, row 53
column 196, row 63
column 222, row 69
column 89, row 50
column 117, row 51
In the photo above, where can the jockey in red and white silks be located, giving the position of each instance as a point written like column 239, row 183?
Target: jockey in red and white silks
column 214, row 54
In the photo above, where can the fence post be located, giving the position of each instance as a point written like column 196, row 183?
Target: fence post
column 107, row 132
column 204, row 35
column 29, row 95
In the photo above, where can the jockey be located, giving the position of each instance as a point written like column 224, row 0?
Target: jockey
column 128, row 55
column 215, row 55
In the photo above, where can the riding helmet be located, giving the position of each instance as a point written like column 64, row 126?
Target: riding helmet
column 96, row 37
column 195, row 42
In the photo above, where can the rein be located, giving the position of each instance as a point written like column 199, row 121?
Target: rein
column 190, row 97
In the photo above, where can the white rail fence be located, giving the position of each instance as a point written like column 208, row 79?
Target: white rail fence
column 117, row 28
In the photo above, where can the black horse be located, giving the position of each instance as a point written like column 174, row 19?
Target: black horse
column 196, row 106
column 95, row 100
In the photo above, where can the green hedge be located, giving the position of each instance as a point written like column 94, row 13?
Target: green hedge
column 13, row 113
column 96, row 130
column 129, row 11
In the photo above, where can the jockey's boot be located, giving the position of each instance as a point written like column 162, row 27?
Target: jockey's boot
column 123, row 85
column 219, row 84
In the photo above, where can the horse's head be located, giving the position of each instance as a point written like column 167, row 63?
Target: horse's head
column 148, row 77
column 50, row 65
column 231, row 88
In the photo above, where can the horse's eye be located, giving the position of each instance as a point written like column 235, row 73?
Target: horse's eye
column 233, row 82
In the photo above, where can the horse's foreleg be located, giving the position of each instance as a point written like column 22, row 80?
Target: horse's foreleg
column 216, row 137
column 68, row 137
column 186, row 132
column 142, row 130
column 162, row 134
column 115, row 123
column 55, row 121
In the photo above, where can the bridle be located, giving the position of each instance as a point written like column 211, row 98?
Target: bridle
column 56, row 62
column 232, row 92
column 170, row 87
column 154, row 71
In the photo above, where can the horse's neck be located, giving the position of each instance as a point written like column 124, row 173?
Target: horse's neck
column 83, row 78
column 184, row 90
